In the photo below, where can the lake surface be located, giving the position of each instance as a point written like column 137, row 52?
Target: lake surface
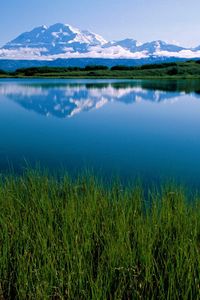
column 149, row 129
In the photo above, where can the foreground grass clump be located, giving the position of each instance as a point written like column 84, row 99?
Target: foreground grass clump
column 81, row 240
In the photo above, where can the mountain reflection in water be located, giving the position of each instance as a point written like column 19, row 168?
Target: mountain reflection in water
column 66, row 99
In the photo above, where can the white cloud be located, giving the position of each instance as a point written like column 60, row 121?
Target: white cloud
column 93, row 52
column 181, row 54
column 22, row 53
column 22, row 90
column 112, row 52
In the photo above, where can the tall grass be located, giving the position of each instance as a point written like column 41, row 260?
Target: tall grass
column 82, row 240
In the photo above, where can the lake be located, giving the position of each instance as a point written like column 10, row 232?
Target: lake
column 139, row 128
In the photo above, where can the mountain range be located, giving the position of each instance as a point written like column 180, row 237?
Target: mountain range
column 63, row 42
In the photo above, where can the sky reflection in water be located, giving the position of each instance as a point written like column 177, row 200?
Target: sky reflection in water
column 127, row 128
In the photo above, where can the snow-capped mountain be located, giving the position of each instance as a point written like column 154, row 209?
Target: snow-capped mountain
column 57, row 40
column 64, row 41
column 127, row 44
column 155, row 46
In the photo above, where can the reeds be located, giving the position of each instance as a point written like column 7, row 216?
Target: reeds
column 80, row 239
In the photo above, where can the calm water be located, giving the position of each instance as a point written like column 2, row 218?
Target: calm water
column 149, row 129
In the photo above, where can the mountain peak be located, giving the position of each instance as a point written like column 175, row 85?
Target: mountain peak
column 65, row 41
column 52, row 41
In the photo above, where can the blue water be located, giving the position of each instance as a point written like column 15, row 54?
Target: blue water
column 149, row 129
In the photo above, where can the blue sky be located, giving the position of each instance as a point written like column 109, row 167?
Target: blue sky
column 144, row 20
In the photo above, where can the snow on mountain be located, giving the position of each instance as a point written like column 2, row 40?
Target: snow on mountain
column 128, row 44
column 156, row 46
column 64, row 41
column 163, row 49
column 56, row 41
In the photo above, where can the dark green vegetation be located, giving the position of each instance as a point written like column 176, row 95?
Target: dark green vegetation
column 189, row 69
column 81, row 240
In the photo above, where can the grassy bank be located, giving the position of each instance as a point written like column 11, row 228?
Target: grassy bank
column 174, row 70
column 82, row 240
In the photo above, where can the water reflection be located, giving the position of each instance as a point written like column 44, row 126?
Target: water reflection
column 147, row 129
column 64, row 99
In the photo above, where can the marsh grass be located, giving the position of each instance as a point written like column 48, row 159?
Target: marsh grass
column 80, row 239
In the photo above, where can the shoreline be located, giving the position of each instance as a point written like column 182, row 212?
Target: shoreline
column 105, row 77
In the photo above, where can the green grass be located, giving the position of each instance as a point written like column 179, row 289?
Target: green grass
column 174, row 70
column 80, row 239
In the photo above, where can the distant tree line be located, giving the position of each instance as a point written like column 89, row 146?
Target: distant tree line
column 158, row 69
column 43, row 70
